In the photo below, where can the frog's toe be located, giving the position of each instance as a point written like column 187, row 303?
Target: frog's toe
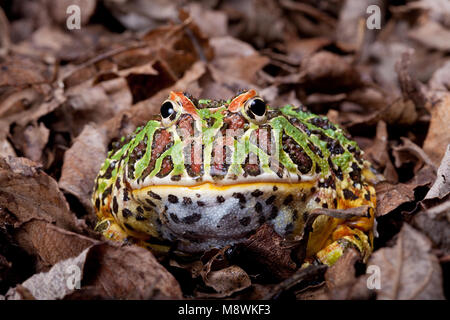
column 111, row 230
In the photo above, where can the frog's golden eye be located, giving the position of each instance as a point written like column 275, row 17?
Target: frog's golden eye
column 256, row 108
column 168, row 112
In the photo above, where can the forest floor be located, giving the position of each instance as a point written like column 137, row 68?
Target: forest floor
column 66, row 94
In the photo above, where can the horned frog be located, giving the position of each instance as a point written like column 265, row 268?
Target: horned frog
column 207, row 173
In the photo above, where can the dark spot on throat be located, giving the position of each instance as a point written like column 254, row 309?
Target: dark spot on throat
column 257, row 193
column 245, row 221
column 270, row 200
column 192, row 218
column 172, row 198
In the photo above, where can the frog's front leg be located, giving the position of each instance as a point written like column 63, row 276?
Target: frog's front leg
column 355, row 233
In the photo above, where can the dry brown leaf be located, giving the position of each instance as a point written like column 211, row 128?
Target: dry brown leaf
column 326, row 71
column 265, row 248
column 6, row 149
column 438, row 136
column 408, row 269
column 441, row 186
column 236, row 63
column 31, row 140
column 409, row 152
column 53, row 284
column 431, row 34
column 341, row 280
column 28, row 193
column 212, row 23
column 435, row 223
column 342, row 273
column 28, row 105
column 48, row 243
column 19, row 71
column 128, row 272
column 440, row 81
column 391, row 196
column 377, row 153
column 311, row 273
column 93, row 104
column 228, row 280
column 107, row 272
column 82, row 162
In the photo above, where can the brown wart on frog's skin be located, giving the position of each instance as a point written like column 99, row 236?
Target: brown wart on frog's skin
column 182, row 181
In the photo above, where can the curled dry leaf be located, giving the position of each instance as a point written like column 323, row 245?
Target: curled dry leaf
column 410, row 152
column 48, row 243
column 391, row 196
column 104, row 271
column 128, row 272
column 327, row 71
column 310, row 273
column 28, row 193
column 228, row 280
column 341, row 280
column 408, row 270
column 82, row 162
column 218, row 274
column 265, row 248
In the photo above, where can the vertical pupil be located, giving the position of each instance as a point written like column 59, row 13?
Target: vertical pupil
column 166, row 109
column 258, row 107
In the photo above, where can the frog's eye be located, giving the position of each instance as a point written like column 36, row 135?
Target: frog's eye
column 255, row 108
column 168, row 112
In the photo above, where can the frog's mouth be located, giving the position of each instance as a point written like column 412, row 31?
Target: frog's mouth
column 216, row 187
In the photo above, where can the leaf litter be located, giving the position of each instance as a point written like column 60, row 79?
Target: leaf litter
column 66, row 96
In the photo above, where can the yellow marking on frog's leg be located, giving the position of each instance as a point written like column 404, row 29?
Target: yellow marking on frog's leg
column 111, row 230
column 356, row 232
column 347, row 237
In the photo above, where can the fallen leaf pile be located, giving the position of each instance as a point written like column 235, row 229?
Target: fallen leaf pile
column 67, row 95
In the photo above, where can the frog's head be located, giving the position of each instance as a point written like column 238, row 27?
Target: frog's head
column 241, row 140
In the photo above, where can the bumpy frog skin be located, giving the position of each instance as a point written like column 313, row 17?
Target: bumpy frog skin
column 184, row 182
